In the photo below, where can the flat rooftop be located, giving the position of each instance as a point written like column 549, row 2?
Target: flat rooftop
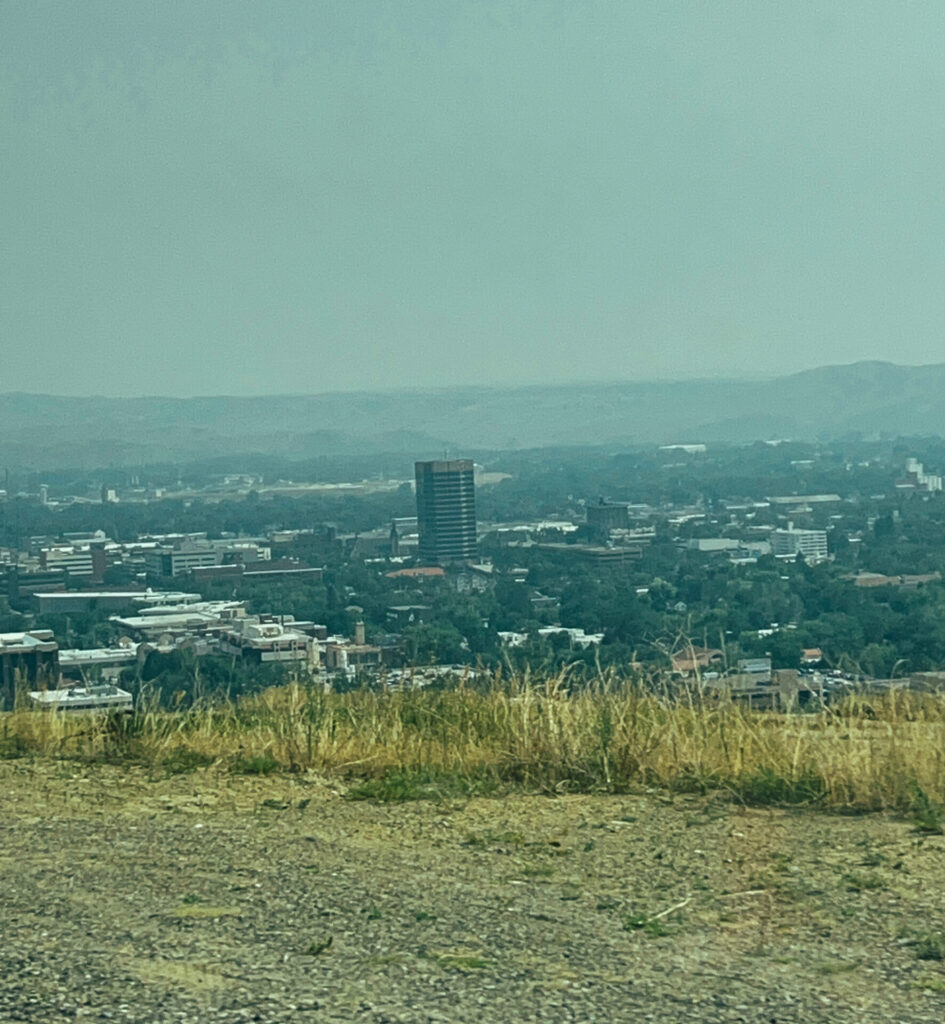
column 97, row 655
column 82, row 698
column 39, row 640
column 165, row 622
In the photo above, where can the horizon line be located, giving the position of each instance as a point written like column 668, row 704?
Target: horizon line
column 445, row 388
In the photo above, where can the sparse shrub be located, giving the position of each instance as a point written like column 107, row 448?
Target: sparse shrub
column 651, row 927
column 928, row 815
column 930, row 946
column 260, row 764
column 423, row 784
column 12, row 747
column 768, row 786
column 182, row 760
column 859, row 881
column 688, row 782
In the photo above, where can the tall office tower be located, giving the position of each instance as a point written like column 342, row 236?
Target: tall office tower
column 446, row 511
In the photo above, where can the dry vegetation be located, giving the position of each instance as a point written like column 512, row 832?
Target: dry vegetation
column 865, row 754
column 200, row 866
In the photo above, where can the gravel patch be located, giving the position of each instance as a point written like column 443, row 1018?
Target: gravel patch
column 213, row 898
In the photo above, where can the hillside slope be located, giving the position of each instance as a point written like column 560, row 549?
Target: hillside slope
column 869, row 398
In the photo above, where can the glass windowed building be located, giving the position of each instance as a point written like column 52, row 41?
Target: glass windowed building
column 446, row 511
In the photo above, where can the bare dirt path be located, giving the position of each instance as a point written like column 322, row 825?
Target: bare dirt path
column 210, row 898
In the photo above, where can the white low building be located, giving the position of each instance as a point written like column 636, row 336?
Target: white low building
column 265, row 642
column 789, row 543
column 87, row 699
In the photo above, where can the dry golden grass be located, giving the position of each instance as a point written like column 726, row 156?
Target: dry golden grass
column 868, row 753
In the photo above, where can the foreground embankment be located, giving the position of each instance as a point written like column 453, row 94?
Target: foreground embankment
column 142, row 895
column 869, row 753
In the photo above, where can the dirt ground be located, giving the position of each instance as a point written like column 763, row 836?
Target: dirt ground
column 208, row 898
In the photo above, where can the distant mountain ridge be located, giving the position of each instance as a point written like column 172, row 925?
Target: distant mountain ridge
column 869, row 398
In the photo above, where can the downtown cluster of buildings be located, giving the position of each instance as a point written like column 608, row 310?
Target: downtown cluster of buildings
column 88, row 556
column 148, row 621
column 50, row 573
column 68, row 575
column 612, row 523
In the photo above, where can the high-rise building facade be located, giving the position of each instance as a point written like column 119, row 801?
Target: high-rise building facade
column 607, row 516
column 446, row 511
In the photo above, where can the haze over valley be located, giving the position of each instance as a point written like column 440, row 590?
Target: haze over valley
column 867, row 399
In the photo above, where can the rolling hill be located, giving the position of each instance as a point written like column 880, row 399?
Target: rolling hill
column 869, row 398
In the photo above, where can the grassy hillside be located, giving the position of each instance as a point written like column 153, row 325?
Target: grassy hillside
column 868, row 754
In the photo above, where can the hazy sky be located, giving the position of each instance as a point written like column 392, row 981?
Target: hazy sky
column 256, row 197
